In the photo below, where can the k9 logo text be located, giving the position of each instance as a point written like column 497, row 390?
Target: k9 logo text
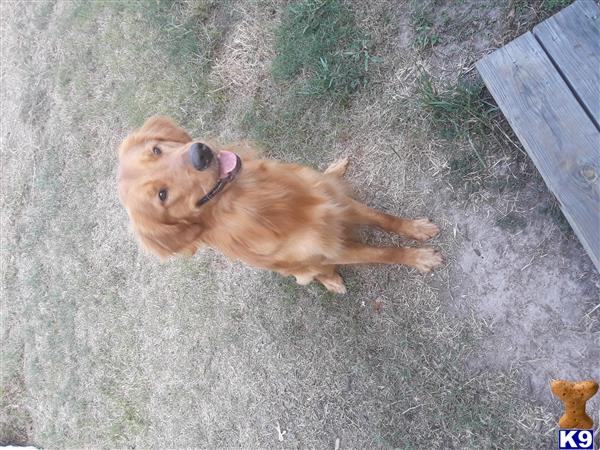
column 575, row 439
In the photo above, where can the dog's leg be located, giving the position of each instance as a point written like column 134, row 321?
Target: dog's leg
column 332, row 280
column 305, row 278
column 327, row 275
column 419, row 229
column 423, row 259
column 338, row 168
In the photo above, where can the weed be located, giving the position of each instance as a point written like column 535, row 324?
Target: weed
column 456, row 110
column 463, row 165
column 464, row 113
column 318, row 41
column 203, row 9
column 552, row 6
column 552, row 210
column 426, row 35
column 509, row 183
column 511, row 222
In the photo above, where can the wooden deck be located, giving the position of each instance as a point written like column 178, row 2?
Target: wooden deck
column 547, row 84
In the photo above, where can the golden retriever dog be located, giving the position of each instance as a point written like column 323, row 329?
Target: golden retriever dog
column 182, row 194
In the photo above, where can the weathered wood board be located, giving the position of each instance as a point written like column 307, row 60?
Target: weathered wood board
column 571, row 39
column 556, row 131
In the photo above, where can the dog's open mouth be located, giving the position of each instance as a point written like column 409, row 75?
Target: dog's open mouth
column 229, row 165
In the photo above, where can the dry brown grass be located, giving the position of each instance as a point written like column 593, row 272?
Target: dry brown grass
column 243, row 64
column 115, row 349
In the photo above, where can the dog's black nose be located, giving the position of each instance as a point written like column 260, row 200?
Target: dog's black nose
column 201, row 156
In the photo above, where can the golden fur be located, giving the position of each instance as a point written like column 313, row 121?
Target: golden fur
column 282, row 217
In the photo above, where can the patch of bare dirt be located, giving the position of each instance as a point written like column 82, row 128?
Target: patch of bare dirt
column 534, row 285
column 539, row 292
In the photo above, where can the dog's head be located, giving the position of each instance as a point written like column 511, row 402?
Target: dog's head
column 164, row 180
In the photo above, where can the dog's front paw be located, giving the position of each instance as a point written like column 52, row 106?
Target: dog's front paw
column 333, row 283
column 336, row 288
column 422, row 230
column 426, row 259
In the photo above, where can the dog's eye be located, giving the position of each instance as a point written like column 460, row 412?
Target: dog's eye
column 162, row 195
column 156, row 151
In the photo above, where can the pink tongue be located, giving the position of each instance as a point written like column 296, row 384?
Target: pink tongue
column 227, row 162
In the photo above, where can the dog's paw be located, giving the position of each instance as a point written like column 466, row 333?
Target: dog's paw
column 333, row 283
column 426, row 259
column 338, row 168
column 336, row 288
column 422, row 230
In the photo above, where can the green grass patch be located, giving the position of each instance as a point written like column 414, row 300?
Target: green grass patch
column 460, row 112
column 319, row 42
column 294, row 127
column 553, row 6
column 322, row 60
column 281, row 130
column 158, row 53
column 457, row 109
column 426, row 33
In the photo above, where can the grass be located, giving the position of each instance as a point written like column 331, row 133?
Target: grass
column 511, row 222
column 553, row 6
column 15, row 420
column 296, row 128
column 461, row 113
column 319, row 43
column 94, row 85
column 426, row 33
column 552, row 210
column 105, row 347
column 524, row 14
column 321, row 60
column 203, row 9
column 457, row 109
column 476, row 138
column 164, row 34
column 426, row 37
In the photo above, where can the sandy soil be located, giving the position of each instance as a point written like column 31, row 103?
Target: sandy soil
column 104, row 346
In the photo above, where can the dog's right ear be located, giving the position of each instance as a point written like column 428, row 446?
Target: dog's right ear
column 163, row 129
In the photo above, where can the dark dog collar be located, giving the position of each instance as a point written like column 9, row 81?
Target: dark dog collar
column 221, row 183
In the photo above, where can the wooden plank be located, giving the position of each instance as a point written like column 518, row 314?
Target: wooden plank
column 557, row 133
column 572, row 40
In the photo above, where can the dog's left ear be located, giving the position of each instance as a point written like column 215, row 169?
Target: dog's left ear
column 167, row 240
column 164, row 129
